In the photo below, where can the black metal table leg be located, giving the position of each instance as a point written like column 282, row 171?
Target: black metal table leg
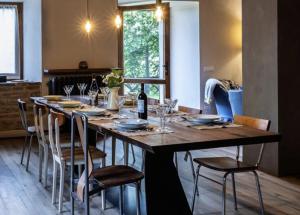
column 164, row 191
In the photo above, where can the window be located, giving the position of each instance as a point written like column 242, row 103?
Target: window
column 145, row 43
column 11, row 61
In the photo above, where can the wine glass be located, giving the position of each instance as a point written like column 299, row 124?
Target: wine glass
column 80, row 87
column 68, row 89
column 133, row 97
column 161, row 111
column 121, row 102
column 105, row 91
column 93, row 95
column 171, row 106
column 84, row 86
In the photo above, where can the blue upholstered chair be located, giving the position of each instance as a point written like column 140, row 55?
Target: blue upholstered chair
column 228, row 103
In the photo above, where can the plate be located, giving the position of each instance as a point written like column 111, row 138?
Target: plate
column 131, row 123
column 69, row 104
column 202, row 118
column 92, row 111
column 53, row 97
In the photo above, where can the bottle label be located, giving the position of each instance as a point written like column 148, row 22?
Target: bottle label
column 141, row 106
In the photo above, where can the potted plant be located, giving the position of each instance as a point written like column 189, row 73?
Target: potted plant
column 114, row 81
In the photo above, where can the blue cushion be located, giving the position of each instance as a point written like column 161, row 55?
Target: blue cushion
column 222, row 103
column 236, row 101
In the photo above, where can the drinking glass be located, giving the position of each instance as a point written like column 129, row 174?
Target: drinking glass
column 161, row 111
column 171, row 106
column 83, row 89
column 121, row 102
column 92, row 95
column 68, row 89
column 133, row 96
column 80, row 87
column 105, row 91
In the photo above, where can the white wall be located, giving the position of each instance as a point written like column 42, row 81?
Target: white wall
column 185, row 53
column 32, row 39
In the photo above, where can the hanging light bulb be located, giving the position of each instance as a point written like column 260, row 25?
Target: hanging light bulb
column 88, row 26
column 118, row 21
column 159, row 14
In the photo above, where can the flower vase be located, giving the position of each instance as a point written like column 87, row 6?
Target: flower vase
column 112, row 103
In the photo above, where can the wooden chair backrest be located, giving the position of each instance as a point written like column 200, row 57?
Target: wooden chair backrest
column 152, row 101
column 189, row 110
column 39, row 109
column 261, row 124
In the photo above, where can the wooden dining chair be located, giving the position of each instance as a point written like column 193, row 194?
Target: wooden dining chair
column 62, row 155
column 30, row 131
column 230, row 166
column 188, row 154
column 105, row 177
column 40, row 112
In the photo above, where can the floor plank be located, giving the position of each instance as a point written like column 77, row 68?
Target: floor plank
column 21, row 193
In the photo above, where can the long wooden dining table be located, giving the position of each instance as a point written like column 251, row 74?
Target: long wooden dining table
column 163, row 189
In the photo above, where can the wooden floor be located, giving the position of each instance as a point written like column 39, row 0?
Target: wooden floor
column 21, row 193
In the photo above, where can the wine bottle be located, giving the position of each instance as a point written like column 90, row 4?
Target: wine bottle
column 94, row 88
column 142, row 104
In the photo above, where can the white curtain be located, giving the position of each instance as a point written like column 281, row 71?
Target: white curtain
column 9, row 41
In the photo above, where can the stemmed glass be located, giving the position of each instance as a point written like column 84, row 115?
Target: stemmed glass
column 121, row 102
column 81, row 87
column 68, row 89
column 161, row 111
column 171, row 106
column 93, row 95
column 105, row 92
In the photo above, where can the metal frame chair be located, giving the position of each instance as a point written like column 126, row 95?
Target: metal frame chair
column 231, row 166
column 104, row 177
column 30, row 131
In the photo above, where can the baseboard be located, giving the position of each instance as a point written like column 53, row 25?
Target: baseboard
column 12, row 134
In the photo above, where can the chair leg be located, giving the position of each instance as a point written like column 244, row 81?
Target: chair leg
column 24, row 147
column 46, row 158
column 103, row 200
column 188, row 154
column 143, row 161
column 224, row 193
column 54, row 175
column 195, row 188
column 176, row 160
column 113, row 151
column 121, row 201
column 29, row 151
column 126, row 149
column 138, row 202
column 259, row 193
column 40, row 162
column 133, row 154
column 61, row 187
column 234, row 191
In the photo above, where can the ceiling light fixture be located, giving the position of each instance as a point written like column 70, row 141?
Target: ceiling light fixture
column 88, row 25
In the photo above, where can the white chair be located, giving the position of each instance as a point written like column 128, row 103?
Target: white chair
column 39, row 112
column 62, row 156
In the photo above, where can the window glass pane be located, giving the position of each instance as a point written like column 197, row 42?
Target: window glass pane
column 152, row 90
column 141, row 44
column 7, row 40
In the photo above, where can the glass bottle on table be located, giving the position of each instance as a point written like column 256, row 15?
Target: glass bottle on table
column 142, row 108
column 94, row 91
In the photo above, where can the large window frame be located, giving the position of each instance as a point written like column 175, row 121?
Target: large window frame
column 166, row 47
column 19, row 6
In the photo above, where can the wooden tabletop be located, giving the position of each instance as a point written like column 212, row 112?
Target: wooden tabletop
column 183, row 138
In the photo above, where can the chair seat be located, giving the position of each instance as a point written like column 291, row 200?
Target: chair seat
column 31, row 129
column 116, row 175
column 224, row 164
column 79, row 154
